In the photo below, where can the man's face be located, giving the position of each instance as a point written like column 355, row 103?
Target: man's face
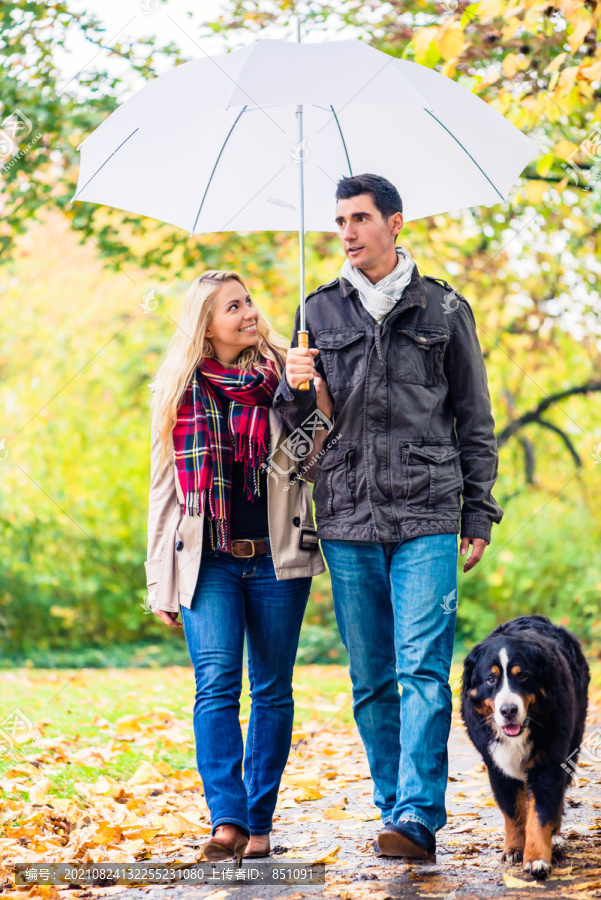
column 361, row 226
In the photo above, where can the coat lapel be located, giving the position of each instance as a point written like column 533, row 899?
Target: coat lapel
column 276, row 424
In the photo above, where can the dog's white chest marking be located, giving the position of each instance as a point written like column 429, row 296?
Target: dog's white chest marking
column 510, row 754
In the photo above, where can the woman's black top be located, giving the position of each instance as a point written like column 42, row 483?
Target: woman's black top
column 248, row 518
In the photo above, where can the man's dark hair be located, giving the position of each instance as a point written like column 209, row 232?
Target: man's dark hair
column 386, row 198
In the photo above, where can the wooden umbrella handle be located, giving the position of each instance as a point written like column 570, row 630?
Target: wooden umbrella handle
column 303, row 341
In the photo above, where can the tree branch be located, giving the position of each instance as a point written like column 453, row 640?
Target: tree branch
column 535, row 414
column 529, row 460
column 574, row 453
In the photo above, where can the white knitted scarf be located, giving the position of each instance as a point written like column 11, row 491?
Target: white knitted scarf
column 379, row 298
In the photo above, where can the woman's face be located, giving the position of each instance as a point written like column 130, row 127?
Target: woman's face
column 233, row 326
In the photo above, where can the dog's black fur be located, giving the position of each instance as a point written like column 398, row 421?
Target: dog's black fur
column 531, row 675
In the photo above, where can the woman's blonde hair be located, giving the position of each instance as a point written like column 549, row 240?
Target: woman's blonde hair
column 189, row 346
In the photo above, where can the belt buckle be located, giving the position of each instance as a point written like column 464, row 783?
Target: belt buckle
column 244, row 555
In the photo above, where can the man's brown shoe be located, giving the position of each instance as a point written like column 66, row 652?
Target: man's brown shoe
column 411, row 840
column 228, row 841
column 258, row 846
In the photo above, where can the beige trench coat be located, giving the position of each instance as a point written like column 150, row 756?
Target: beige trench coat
column 171, row 574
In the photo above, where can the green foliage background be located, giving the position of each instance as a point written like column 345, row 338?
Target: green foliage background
column 77, row 350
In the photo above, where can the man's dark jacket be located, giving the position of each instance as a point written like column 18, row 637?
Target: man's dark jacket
column 412, row 405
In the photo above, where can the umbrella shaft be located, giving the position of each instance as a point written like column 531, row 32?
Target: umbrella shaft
column 301, row 235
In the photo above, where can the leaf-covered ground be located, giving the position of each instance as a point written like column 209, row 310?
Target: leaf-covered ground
column 98, row 766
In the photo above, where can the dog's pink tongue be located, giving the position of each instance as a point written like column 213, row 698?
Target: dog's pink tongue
column 512, row 730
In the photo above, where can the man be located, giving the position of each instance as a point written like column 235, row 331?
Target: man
column 400, row 356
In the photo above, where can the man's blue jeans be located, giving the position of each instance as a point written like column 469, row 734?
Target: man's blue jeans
column 234, row 595
column 389, row 601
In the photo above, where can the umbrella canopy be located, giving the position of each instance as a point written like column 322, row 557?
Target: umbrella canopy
column 213, row 145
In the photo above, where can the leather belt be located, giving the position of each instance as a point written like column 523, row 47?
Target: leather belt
column 247, row 548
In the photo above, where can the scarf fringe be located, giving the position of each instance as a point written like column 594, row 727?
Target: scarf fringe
column 218, row 526
column 252, row 451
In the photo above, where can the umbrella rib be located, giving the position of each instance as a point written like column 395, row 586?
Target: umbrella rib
column 342, row 139
column 469, row 154
column 104, row 164
column 204, row 196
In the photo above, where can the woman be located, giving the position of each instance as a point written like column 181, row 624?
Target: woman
column 227, row 547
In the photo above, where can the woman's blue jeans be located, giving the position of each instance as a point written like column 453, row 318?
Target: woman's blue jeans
column 235, row 595
column 396, row 605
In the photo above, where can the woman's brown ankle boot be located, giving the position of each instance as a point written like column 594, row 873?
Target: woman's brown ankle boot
column 258, row 846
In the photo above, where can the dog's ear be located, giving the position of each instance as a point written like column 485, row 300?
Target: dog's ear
column 469, row 668
column 550, row 670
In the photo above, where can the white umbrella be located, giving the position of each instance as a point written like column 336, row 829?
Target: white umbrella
column 257, row 139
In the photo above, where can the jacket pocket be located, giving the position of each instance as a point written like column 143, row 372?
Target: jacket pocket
column 342, row 351
column 334, row 492
column 420, row 355
column 433, row 478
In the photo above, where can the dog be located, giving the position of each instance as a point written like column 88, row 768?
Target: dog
column 524, row 698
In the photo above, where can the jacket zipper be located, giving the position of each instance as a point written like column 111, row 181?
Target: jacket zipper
column 377, row 335
column 365, row 458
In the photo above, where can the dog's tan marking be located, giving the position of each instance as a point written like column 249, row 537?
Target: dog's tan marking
column 529, row 700
column 533, row 760
column 515, row 829
column 515, row 670
column 495, row 670
column 473, row 692
column 487, row 707
column 538, row 836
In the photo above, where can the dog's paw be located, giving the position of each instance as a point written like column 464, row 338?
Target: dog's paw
column 559, row 847
column 538, row 868
column 512, row 855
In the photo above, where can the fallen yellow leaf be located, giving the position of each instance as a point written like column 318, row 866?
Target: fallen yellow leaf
column 308, row 793
column 329, row 858
column 39, row 790
column 146, row 774
column 307, row 779
column 127, row 726
column 175, row 823
column 184, row 779
column 334, row 812
column 512, row 882
column 106, row 833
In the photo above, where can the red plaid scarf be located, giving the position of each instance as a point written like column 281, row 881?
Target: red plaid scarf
column 205, row 445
